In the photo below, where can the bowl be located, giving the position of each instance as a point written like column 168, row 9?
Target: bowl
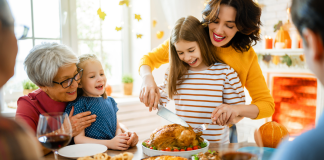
column 185, row 154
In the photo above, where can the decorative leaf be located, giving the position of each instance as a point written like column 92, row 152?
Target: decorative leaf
column 154, row 23
column 302, row 57
column 138, row 17
column 139, row 35
column 101, row 14
column 159, row 34
column 124, row 2
column 118, row 28
column 276, row 60
column 286, row 59
column 267, row 58
column 277, row 26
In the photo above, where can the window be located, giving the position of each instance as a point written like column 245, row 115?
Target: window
column 76, row 24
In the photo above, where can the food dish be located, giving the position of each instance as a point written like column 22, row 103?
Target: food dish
column 267, row 152
column 210, row 155
column 185, row 154
column 105, row 156
column 174, row 136
column 81, row 150
column 165, row 158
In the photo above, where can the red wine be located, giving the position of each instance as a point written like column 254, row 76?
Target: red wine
column 237, row 156
column 54, row 141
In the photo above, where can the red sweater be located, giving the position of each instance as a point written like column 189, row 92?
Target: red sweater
column 36, row 103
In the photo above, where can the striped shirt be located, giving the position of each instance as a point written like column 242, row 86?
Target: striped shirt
column 201, row 92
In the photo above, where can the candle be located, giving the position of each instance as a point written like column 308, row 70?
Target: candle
column 268, row 42
column 287, row 43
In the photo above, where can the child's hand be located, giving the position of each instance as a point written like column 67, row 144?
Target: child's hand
column 119, row 142
column 225, row 115
column 133, row 138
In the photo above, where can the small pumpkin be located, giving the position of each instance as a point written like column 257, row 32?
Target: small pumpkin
column 271, row 134
column 108, row 90
column 283, row 36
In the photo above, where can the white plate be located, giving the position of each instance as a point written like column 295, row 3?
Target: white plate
column 185, row 154
column 81, row 150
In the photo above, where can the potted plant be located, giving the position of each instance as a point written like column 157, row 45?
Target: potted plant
column 128, row 84
column 29, row 87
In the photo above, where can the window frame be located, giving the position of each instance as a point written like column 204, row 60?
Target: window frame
column 69, row 37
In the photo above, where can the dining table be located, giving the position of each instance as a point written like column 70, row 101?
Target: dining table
column 138, row 151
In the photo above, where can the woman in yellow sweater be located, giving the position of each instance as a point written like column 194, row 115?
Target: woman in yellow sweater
column 233, row 26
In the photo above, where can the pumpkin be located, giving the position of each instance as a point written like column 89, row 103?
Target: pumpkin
column 108, row 90
column 271, row 134
column 283, row 36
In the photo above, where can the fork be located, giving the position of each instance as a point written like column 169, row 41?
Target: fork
column 201, row 127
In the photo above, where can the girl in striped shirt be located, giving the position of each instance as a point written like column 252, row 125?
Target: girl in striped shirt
column 198, row 81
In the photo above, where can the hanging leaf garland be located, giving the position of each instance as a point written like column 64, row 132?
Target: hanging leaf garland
column 293, row 60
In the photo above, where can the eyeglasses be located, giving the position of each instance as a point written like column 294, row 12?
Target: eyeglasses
column 67, row 83
column 21, row 31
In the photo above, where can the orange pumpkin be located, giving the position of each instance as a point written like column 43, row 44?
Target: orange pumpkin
column 108, row 90
column 283, row 36
column 271, row 134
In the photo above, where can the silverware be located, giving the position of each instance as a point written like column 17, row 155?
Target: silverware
column 202, row 127
column 170, row 116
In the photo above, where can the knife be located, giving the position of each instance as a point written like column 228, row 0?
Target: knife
column 170, row 116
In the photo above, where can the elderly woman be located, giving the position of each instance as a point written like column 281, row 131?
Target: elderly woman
column 52, row 67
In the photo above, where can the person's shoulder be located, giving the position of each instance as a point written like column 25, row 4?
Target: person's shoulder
column 79, row 101
column 308, row 144
column 110, row 99
column 221, row 67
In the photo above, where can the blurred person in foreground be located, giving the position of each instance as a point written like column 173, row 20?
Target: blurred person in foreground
column 308, row 17
column 16, row 143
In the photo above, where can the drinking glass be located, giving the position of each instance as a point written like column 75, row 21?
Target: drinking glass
column 54, row 131
column 246, row 148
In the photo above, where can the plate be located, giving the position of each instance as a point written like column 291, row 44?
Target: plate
column 267, row 152
column 185, row 154
column 81, row 150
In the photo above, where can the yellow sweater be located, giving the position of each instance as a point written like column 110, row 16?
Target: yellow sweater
column 245, row 64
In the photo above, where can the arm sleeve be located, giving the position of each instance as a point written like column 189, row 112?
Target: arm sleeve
column 233, row 93
column 163, row 90
column 114, row 104
column 156, row 57
column 27, row 112
column 258, row 89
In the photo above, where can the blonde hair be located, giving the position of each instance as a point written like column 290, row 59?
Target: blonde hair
column 82, row 59
column 189, row 29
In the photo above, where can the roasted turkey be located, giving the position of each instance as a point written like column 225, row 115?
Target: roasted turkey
column 174, row 135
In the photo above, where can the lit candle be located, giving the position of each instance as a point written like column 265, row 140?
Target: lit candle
column 268, row 42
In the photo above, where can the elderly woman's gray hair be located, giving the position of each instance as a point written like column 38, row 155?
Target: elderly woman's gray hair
column 44, row 61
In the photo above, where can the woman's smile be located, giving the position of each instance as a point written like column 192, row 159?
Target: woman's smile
column 218, row 38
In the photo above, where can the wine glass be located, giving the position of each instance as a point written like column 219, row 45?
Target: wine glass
column 245, row 148
column 54, row 131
